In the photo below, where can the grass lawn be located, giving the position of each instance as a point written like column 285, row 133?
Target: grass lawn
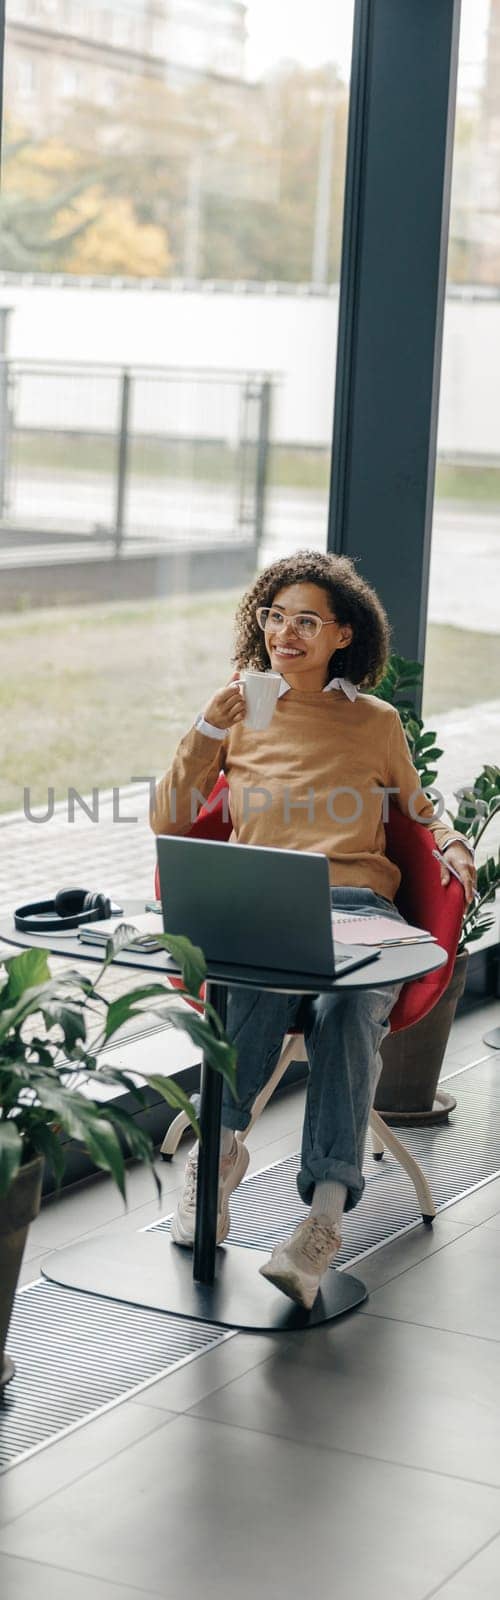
column 91, row 695
column 289, row 467
column 461, row 669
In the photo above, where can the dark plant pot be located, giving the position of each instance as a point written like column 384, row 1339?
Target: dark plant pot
column 412, row 1061
column 17, row 1209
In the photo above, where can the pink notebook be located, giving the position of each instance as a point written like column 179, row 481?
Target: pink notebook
column 355, row 928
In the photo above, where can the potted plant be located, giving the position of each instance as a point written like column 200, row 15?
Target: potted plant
column 412, row 1059
column 52, row 1033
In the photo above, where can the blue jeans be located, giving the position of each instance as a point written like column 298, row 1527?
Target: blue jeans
column 343, row 1032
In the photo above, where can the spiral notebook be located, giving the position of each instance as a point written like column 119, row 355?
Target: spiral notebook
column 349, row 927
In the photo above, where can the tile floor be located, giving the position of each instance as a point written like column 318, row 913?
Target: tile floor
column 358, row 1458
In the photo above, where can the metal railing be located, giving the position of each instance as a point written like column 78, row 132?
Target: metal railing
column 122, row 457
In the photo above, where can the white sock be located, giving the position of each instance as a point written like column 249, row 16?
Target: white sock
column 329, row 1200
column 227, row 1135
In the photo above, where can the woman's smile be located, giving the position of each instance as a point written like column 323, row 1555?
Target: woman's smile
column 284, row 650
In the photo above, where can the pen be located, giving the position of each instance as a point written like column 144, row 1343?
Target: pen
column 453, row 870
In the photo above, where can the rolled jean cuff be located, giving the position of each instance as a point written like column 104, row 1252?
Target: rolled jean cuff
column 236, row 1117
column 331, row 1172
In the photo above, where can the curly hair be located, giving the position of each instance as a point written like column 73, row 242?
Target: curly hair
column 352, row 600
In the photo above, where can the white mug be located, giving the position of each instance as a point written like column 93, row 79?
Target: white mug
column 261, row 690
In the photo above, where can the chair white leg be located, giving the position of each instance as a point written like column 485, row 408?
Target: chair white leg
column 293, row 1050
column 173, row 1135
column 378, row 1145
column 388, row 1137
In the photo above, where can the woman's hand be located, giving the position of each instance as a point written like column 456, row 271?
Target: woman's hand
column 227, row 705
column 461, row 859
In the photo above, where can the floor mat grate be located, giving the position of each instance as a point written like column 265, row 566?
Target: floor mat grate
column 76, row 1354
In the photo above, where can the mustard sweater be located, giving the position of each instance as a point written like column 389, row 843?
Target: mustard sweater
column 312, row 780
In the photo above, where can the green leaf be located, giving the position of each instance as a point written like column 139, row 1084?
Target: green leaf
column 65, row 1105
column 212, row 1016
column 221, row 1055
column 20, row 1070
column 406, row 709
column 25, row 971
column 88, row 1123
column 45, row 1141
column 87, row 1058
column 67, row 1017
column 431, row 754
column 44, row 1055
column 408, row 668
column 108, row 1074
column 189, row 958
column 476, row 919
column 399, row 674
column 103, row 1146
column 175, row 1096
column 11, row 1150
column 469, row 935
column 128, row 1005
column 426, row 739
column 30, row 1004
column 138, row 1143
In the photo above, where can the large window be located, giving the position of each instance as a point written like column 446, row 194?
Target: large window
column 170, row 231
column 462, row 676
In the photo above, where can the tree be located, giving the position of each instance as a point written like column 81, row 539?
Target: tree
column 32, row 234
column 114, row 240
column 206, row 179
column 84, row 226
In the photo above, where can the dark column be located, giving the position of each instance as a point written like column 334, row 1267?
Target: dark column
column 396, row 212
column 208, row 1157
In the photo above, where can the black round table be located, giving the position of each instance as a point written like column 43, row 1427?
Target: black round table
column 218, row 1284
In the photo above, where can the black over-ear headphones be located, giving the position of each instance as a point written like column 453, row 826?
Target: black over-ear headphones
column 70, row 908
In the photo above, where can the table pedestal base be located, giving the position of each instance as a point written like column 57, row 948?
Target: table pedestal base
column 146, row 1269
column 492, row 1039
column 7, row 1372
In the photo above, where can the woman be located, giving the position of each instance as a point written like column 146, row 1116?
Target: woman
column 313, row 780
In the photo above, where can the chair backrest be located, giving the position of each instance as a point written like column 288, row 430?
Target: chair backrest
column 420, row 897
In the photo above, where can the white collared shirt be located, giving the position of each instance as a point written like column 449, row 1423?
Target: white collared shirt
column 335, row 683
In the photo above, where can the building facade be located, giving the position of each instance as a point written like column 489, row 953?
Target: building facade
column 62, row 52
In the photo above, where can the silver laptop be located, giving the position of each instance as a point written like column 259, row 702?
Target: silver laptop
column 250, row 906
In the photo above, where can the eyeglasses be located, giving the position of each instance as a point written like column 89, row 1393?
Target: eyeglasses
column 304, row 623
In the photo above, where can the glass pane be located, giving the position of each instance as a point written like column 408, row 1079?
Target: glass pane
column 170, row 233
column 462, row 664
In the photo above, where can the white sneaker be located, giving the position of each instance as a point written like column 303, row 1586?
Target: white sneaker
column 231, row 1171
column 297, row 1265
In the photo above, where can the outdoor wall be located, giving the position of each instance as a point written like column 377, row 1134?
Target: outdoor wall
column 290, row 334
